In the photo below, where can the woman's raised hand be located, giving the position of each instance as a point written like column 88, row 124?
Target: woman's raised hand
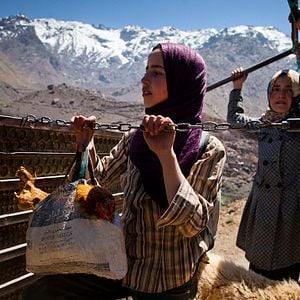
column 239, row 77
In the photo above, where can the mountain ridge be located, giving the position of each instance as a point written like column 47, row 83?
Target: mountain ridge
column 50, row 51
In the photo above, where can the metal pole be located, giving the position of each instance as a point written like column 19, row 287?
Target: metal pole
column 251, row 69
column 294, row 16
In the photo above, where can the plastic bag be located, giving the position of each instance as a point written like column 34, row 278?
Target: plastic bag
column 63, row 238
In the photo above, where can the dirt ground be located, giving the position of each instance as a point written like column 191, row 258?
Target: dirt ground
column 227, row 231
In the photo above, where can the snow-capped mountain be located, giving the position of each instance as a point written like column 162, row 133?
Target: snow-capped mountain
column 50, row 51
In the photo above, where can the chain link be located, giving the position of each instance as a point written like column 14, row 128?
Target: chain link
column 291, row 124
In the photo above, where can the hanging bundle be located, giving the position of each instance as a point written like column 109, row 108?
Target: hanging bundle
column 76, row 230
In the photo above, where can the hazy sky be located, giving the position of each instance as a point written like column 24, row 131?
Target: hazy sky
column 182, row 14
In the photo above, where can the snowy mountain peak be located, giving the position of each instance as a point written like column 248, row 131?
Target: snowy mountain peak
column 268, row 35
column 95, row 56
column 100, row 43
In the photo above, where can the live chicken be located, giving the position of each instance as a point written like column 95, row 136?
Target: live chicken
column 29, row 195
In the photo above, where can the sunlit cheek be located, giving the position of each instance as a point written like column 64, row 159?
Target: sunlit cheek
column 161, row 94
column 165, row 95
column 165, row 92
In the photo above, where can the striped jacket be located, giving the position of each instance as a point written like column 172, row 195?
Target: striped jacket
column 163, row 247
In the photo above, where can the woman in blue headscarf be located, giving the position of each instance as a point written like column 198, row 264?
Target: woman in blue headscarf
column 171, row 202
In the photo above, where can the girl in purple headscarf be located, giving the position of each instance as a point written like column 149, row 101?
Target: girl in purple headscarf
column 171, row 201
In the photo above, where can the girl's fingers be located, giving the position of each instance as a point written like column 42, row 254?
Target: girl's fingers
column 155, row 124
column 80, row 122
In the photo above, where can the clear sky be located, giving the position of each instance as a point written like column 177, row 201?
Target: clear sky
column 153, row 14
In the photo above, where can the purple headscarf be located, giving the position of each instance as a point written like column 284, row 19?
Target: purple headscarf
column 186, row 81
